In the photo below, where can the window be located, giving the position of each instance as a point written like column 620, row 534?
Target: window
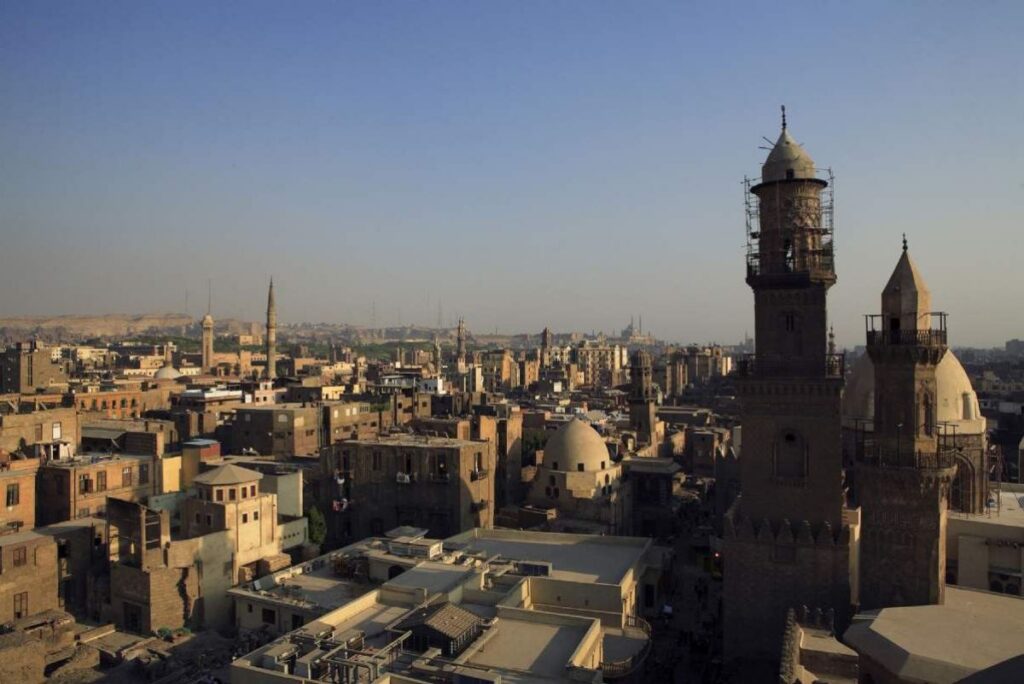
column 101, row 481
column 21, row 605
column 252, row 490
column 245, row 517
column 579, row 467
column 84, row 484
column 55, row 431
column 197, row 518
column 478, row 461
column 255, row 515
column 248, row 607
column 554, row 466
column 269, row 616
column 13, row 494
column 245, row 492
column 143, row 473
column 126, row 476
column 219, row 494
column 39, row 432
column 20, row 556
column 232, row 494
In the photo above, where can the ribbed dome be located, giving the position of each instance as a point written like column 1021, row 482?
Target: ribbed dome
column 576, row 443
column 787, row 156
column 957, row 402
column 168, row 372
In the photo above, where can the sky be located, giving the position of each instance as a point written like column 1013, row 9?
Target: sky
column 521, row 163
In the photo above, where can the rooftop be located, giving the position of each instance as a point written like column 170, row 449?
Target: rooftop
column 1009, row 511
column 574, row 557
column 228, row 475
column 538, row 648
column 313, row 585
column 972, row 631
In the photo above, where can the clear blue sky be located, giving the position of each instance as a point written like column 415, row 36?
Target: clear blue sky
column 527, row 163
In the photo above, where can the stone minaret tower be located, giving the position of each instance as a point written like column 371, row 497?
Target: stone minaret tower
column 271, row 333
column 207, row 343
column 904, row 468
column 642, row 397
column 545, row 348
column 437, row 355
column 786, row 542
column 460, row 345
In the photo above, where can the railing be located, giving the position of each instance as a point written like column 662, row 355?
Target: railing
column 870, row 452
column 816, row 262
column 619, row 669
column 479, row 474
column 919, row 338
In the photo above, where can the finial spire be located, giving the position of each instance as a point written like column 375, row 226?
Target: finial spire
column 783, row 117
column 904, row 242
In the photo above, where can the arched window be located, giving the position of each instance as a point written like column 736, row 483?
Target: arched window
column 607, row 479
column 790, row 455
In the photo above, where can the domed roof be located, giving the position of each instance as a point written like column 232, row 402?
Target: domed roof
column 573, row 444
column 957, row 402
column 168, row 372
column 787, row 156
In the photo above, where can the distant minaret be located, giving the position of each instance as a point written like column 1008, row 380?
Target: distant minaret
column 460, row 343
column 207, row 343
column 271, row 333
column 437, row 355
column 545, row 348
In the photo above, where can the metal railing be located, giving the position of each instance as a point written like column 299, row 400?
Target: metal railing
column 870, row 452
column 747, row 366
column 920, row 338
column 619, row 669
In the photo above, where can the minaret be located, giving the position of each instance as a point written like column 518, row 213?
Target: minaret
column 642, row 398
column 460, row 345
column 208, row 334
column 437, row 355
column 786, row 544
column 905, row 466
column 271, row 334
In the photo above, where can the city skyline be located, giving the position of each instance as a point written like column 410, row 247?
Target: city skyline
column 526, row 165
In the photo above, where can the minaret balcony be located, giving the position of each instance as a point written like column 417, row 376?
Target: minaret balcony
column 878, row 334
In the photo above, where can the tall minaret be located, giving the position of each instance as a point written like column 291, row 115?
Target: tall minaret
column 207, row 343
column 906, row 465
column 271, row 333
column 642, row 397
column 437, row 355
column 786, row 540
column 460, row 345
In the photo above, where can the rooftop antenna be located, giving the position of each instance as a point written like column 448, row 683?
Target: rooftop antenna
column 783, row 117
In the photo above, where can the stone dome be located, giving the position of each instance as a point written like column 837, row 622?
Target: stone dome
column 957, row 402
column 167, row 372
column 788, row 159
column 576, row 443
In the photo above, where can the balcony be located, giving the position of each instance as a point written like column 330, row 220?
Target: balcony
column 878, row 334
column 626, row 649
column 747, row 366
column 478, row 474
column 870, row 452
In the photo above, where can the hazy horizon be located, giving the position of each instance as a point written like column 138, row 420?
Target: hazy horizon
column 526, row 163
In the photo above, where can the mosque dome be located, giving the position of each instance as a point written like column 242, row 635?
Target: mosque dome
column 788, row 159
column 956, row 402
column 576, row 444
column 167, row 372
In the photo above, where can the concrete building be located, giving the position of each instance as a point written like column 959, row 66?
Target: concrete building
column 278, row 430
column 602, row 365
column 985, row 551
column 18, row 488
column 787, row 540
column 484, row 606
column 30, row 428
column 437, row 483
column 28, row 366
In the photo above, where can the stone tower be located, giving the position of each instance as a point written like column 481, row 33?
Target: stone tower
column 642, row 398
column 545, row 348
column 786, row 542
column 207, row 343
column 271, row 333
column 460, row 346
column 904, row 466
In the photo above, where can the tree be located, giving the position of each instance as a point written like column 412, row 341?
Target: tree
column 317, row 525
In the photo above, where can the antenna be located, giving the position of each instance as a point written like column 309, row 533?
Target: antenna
column 904, row 242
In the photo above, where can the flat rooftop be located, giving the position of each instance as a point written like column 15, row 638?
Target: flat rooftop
column 539, row 648
column 415, row 441
column 973, row 630
column 435, row 578
column 371, row 621
column 319, row 589
column 574, row 557
column 1008, row 511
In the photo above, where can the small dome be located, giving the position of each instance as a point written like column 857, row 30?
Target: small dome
column 576, row 443
column 168, row 372
column 788, row 159
column 207, row 321
column 956, row 402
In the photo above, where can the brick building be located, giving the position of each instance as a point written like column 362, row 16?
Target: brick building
column 28, row 574
column 79, row 487
column 18, row 489
column 27, row 366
